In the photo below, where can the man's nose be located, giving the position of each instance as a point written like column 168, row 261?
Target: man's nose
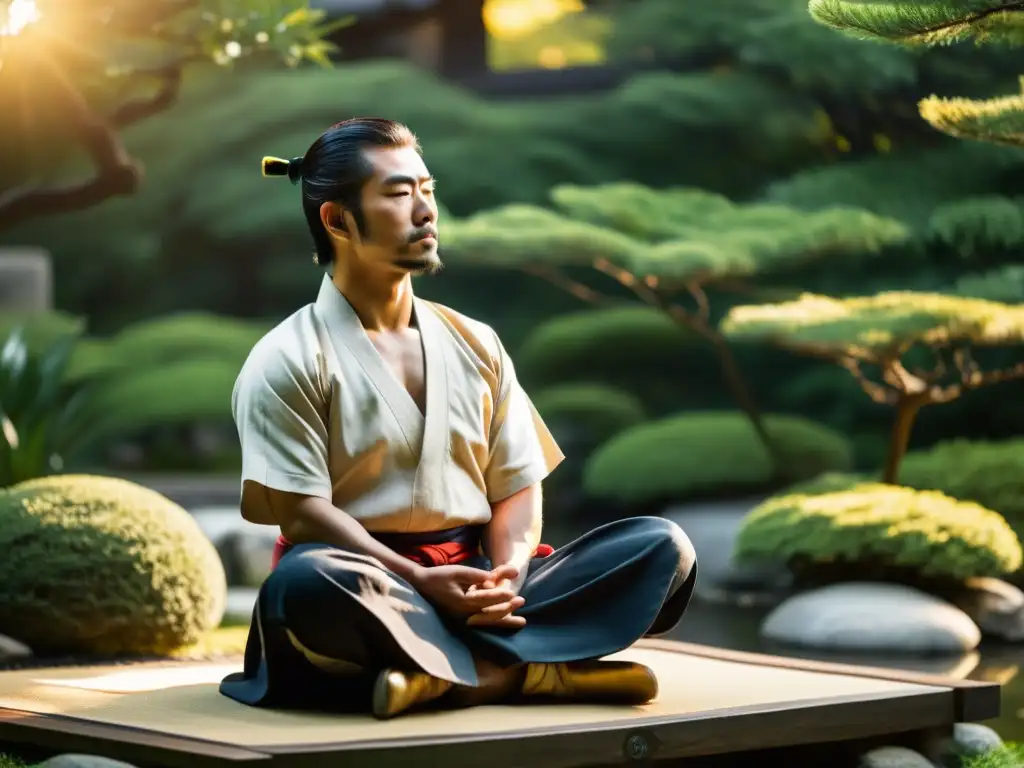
column 424, row 214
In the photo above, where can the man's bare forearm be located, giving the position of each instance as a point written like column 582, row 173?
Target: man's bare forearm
column 513, row 533
column 317, row 520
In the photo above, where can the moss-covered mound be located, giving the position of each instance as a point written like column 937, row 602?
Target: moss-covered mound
column 879, row 525
column 989, row 473
column 637, row 349
column 597, row 411
column 98, row 565
column 710, row 453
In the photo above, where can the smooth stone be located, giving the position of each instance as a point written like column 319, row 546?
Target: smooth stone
column 75, row 760
column 975, row 739
column 239, row 605
column 894, row 757
column 13, row 649
column 872, row 617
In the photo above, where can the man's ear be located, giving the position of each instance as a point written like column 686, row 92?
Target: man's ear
column 332, row 217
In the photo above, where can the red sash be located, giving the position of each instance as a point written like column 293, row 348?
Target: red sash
column 426, row 554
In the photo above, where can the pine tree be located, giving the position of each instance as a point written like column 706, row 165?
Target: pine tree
column 913, row 24
column 907, row 350
column 881, row 339
column 667, row 247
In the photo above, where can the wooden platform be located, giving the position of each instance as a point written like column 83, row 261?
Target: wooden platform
column 711, row 702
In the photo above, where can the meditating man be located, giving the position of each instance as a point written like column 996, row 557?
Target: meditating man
column 389, row 439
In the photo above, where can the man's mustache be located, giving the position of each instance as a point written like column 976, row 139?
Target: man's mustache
column 422, row 233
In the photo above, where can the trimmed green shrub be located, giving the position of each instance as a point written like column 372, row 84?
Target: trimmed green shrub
column 178, row 337
column 989, row 473
column 634, row 348
column 875, row 524
column 597, row 410
column 40, row 329
column 710, row 453
column 182, row 392
column 99, row 565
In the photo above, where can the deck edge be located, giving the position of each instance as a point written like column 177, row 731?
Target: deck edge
column 68, row 733
column 647, row 742
column 974, row 700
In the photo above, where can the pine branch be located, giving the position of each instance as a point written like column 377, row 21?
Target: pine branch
column 879, row 393
column 904, row 23
column 576, row 288
column 627, row 279
column 117, row 173
column 972, row 377
column 647, row 291
column 934, row 374
column 998, row 120
column 900, row 379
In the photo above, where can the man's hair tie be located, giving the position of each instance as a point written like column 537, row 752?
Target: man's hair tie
column 276, row 166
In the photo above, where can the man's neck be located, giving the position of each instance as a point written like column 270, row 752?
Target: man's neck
column 382, row 302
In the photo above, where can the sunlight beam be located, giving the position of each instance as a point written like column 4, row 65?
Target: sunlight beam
column 16, row 16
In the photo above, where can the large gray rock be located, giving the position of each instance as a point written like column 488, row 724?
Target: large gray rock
column 996, row 606
column 239, row 605
column 872, row 617
column 245, row 548
column 894, row 757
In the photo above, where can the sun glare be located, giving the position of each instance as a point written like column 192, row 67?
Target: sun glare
column 515, row 18
column 16, row 15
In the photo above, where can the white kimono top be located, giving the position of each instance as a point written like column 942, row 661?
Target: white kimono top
column 319, row 413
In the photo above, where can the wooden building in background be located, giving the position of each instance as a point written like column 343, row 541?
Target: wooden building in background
column 450, row 38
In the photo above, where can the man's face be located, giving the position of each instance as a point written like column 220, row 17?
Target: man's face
column 399, row 213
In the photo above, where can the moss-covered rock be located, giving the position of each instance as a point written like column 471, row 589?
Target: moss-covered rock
column 878, row 526
column 989, row 473
column 597, row 411
column 99, row 565
column 709, row 453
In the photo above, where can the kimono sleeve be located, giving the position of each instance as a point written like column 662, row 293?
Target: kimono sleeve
column 522, row 449
column 280, row 415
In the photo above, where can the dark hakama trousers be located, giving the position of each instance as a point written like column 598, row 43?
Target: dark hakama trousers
column 327, row 620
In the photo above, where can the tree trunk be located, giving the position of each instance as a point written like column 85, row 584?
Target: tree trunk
column 740, row 392
column 906, row 414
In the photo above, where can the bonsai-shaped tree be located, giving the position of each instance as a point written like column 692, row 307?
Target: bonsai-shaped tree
column 909, row 23
column 877, row 339
column 663, row 244
column 72, row 78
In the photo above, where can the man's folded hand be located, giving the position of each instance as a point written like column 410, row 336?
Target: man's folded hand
column 499, row 615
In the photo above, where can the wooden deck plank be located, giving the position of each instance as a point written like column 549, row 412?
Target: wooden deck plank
column 711, row 701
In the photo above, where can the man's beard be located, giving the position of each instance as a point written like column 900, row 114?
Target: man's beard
column 421, row 265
